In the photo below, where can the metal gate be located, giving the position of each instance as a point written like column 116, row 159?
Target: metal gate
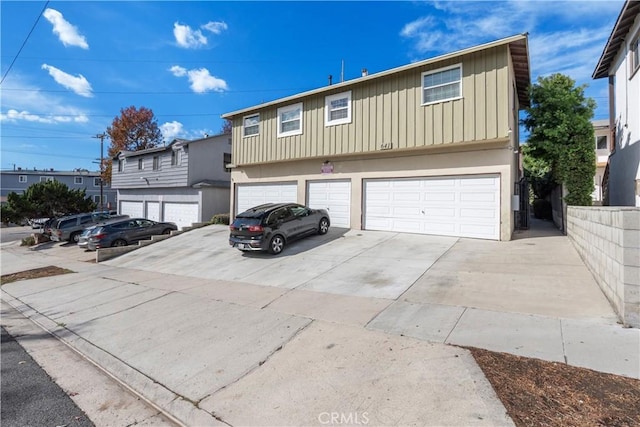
column 522, row 215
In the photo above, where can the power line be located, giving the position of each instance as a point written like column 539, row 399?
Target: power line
column 24, row 42
column 186, row 92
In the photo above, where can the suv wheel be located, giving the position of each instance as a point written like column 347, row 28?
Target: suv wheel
column 276, row 245
column 323, row 227
column 74, row 237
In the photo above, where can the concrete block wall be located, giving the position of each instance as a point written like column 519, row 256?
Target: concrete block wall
column 608, row 240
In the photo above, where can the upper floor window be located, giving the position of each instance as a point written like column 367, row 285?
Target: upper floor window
column 175, row 158
column 442, row 84
column 337, row 109
column 77, row 180
column 635, row 54
column 290, row 120
column 601, row 142
column 120, row 165
column 22, row 178
column 96, row 182
column 140, row 164
column 156, row 163
column 226, row 160
column 46, row 178
column 251, row 125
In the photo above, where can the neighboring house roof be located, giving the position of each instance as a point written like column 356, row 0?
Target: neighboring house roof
column 627, row 16
column 178, row 142
column 519, row 56
column 49, row 172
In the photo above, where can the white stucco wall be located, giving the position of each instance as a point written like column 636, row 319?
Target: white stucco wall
column 624, row 168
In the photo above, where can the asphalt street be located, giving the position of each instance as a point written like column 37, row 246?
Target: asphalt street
column 29, row 396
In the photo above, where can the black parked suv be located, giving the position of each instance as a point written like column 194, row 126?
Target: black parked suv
column 271, row 226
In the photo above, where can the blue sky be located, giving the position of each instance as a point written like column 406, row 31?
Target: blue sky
column 192, row 61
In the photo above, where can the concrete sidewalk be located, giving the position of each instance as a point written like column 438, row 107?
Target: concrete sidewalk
column 213, row 351
column 206, row 354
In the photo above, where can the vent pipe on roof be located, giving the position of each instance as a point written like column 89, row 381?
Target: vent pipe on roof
column 365, row 73
column 330, row 79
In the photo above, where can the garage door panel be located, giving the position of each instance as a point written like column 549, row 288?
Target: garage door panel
column 439, row 197
column 335, row 197
column 452, row 206
column 133, row 209
column 478, row 214
column 250, row 195
column 153, row 211
column 182, row 214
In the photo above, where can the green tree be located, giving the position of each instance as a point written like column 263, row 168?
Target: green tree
column 43, row 200
column 561, row 135
column 133, row 130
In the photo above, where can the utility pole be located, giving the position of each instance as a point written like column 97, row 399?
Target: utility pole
column 101, row 137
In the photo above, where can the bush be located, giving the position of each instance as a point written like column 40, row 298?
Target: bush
column 542, row 209
column 220, row 219
column 28, row 241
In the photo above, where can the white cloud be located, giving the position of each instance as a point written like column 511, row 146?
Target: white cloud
column 78, row 84
column 67, row 33
column 187, row 37
column 24, row 97
column 178, row 71
column 170, row 130
column 201, row 80
column 215, row 27
column 16, row 116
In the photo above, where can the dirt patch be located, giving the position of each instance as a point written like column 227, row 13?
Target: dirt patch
column 36, row 273
column 540, row 393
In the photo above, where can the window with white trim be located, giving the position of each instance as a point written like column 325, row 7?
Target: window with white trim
column 22, row 178
column 96, row 199
column 337, row 109
column 156, row 163
column 635, row 54
column 120, row 165
column 251, row 125
column 290, row 120
column 442, row 85
column 96, row 182
column 140, row 164
column 46, row 178
column 77, row 180
column 601, row 142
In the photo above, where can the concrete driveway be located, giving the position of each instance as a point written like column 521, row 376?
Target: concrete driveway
column 344, row 262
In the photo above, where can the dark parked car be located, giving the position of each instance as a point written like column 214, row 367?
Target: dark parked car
column 271, row 226
column 126, row 232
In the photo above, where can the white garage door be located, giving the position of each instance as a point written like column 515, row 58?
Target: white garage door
column 449, row 206
column 133, row 209
column 183, row 214
column 335, row 197
column 153, row 211
column 250, row 195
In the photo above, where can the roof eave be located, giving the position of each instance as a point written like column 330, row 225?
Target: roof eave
column 625, row 20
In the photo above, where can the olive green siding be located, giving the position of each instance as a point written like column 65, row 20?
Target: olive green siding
column 387, row 115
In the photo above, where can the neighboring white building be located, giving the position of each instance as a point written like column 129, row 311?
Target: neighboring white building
column 620, row 62
column 602, row 134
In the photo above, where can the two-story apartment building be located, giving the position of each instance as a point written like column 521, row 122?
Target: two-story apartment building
column 183, row 182
column 431, row 147
column 620, row 63
column 19, row 179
